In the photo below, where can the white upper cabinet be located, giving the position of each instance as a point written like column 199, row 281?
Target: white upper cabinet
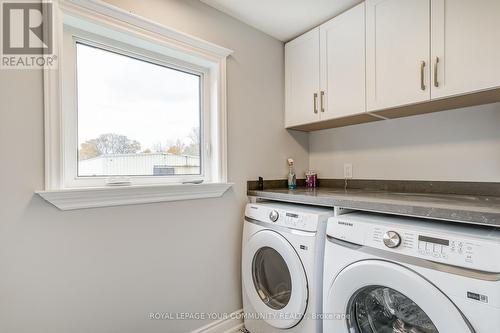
column 397, row 52
column 342, row 41
column 302, row 79
column 393, row 58
column 465, row 46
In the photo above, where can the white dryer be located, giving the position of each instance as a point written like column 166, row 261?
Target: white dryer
column 282, row 266
column 403, row 275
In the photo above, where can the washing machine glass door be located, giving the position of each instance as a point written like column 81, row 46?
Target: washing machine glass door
column 274, row 279
column 382, row 297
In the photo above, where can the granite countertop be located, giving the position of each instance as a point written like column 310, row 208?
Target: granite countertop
column 483, row 210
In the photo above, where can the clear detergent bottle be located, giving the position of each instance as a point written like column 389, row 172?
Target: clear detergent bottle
column 292, row 180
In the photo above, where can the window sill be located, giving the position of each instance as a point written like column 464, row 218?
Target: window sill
column 80, row 198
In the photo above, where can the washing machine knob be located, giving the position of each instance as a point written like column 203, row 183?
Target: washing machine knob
column 274, row 215
column 392, row 239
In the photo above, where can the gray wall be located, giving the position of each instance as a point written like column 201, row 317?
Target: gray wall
column 104, row 270
column 455, row 145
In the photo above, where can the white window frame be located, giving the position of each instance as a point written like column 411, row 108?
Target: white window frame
column 71, row 37
column 94, row 22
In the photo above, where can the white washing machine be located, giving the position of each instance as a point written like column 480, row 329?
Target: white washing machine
column 403, row 275
column 282, row 266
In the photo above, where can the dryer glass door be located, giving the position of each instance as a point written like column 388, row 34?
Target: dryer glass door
column 272, row 278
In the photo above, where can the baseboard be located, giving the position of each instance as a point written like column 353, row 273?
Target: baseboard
column 230, row 325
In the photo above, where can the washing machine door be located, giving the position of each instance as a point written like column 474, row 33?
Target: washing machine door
column 380, row 297
column 274, row 279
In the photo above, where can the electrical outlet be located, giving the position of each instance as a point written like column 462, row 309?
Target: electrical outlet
column 348, row 171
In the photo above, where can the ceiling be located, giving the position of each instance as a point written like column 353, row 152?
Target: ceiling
column 282, row 19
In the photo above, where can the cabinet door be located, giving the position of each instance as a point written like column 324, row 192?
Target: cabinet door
column 343, row 64
column 398, row 52
column 302, row 79
column 465, row 46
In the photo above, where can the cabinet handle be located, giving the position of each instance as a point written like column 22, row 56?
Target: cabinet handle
column 436, row 83
column 315, row 102
column 322, row 94
column 422, row 68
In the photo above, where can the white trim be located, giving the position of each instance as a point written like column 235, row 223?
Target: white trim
column 52, row 103
column 79, row 198
column 137, row 22
column 232, row 324
column 222, row 143
column 118, row 22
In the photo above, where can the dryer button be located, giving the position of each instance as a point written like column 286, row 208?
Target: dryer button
column 274, row 215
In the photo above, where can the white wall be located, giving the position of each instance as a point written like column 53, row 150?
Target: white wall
column 455, row 145
column 104, row 270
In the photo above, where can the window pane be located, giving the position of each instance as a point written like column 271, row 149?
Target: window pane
column 135, row 118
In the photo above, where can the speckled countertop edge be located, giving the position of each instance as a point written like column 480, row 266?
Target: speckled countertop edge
column 455, row 208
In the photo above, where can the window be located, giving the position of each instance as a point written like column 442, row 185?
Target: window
column 135, row 117
column 129, row 109
column 131, row 102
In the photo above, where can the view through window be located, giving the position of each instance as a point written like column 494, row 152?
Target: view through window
column 135, row 118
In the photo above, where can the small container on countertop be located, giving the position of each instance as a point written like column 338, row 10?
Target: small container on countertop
column 311, row 179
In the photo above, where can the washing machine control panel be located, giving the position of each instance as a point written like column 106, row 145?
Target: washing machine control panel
column 426, row 245
column 453, row 250
column 453, row 245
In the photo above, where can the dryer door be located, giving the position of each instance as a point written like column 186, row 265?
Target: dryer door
column 381, row 297
column 274, row 279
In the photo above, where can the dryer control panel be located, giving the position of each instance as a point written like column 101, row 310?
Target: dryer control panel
column 458, row 245
column 289, row 216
